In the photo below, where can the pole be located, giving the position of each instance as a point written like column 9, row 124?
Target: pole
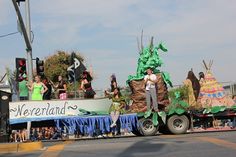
column 27, row 37
column 74, row 56
column 29, row 52
column 29, row 55
column 22, row 25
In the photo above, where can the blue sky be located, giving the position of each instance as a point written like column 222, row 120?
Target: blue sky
column 105, row 33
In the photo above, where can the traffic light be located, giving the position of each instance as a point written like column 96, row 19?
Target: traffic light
column 18, row 1
column 40, row 67
column 20, row 68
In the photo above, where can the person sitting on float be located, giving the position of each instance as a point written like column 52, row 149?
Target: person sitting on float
column 86, row 85
column 117, row 107
column 150, row 88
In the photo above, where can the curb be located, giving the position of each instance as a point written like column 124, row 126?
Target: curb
column 20, row 147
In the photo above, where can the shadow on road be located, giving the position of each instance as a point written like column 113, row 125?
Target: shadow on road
column 142, row 147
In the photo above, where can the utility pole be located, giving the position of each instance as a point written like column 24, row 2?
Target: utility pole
column 27, row 37
column 29, row 55
column 29, row 52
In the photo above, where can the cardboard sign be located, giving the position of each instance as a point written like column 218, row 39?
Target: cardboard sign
column 55, row 108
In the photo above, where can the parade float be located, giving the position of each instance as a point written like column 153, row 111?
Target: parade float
column 212, row 109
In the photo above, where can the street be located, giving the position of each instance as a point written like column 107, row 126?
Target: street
column 218, row 144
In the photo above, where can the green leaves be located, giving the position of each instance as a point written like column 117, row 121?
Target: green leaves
column 177, row 105
column 162, row 114
column 217, row 109
column 155, row 118
column 147, row 113
column 234, row 107
column 182, row 93
column 214, row 109
column 153, row 115
column 183, row 104
column 85, row 112
column 140, row 114
column 207, row 110
column 179, row 111
column 177, row 94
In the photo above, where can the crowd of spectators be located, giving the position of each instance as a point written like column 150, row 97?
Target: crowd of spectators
column 36, row 134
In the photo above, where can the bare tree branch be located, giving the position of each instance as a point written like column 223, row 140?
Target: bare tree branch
column 204, row 63
column 142, row 40
column 139, row 49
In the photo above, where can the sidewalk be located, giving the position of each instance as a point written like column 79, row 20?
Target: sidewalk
column 20, row 147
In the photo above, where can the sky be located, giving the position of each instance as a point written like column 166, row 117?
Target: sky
column 105, row 32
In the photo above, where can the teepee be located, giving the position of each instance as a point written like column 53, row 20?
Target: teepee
column 212, row 92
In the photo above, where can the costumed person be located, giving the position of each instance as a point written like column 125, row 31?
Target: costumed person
column 23, row 88
column 86, row 85
column 38, row 89
column 196, row 86
column 61, row 88
column 234, row 98
column 117, row 107
column 211, row 92
column 113, row 82
column 151, row 94
column 201, row 79
column 48, row 93
column 113, row 85
column 190, row 82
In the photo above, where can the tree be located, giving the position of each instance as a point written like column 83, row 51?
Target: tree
column 58, row 63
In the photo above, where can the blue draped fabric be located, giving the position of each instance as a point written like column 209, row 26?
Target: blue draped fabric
column 90, row 124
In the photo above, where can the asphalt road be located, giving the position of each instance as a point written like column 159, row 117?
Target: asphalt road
column 218, row 144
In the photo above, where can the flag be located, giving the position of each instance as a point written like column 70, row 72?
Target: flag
column 76, row 69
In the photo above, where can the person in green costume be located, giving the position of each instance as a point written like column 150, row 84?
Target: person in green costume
column 37, row 88
column 117, row 107
column 23, row 88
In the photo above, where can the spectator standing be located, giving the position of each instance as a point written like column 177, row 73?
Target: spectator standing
column 23, row 88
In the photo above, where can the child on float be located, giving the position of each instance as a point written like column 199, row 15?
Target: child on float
column 117, row 107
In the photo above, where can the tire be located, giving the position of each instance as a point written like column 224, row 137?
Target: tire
column 178, row 124
column 136, row 132
column 146, row 127
column 164, row 130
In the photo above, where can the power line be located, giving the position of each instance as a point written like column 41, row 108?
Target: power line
column 5, row 35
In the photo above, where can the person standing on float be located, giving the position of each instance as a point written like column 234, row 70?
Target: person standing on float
column 23, row 89
column 38, row 89
column 150, row 86
column 86, row 85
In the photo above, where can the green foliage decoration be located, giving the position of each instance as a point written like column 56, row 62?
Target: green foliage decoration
column 178, row 104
